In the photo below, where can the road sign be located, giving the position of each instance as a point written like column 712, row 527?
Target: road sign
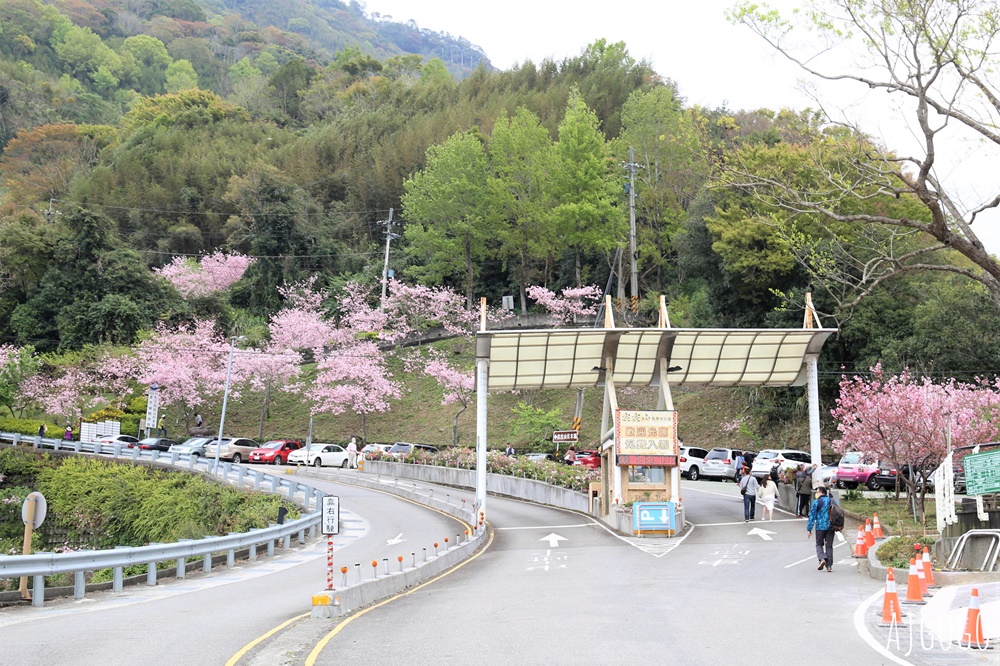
column 654, row 517
column 38, row 511
column 331, row 514
column 152, row 406
column 982, row 473
column 565, row 436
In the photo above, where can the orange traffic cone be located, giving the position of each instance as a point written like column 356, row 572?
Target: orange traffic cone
column 876, row 527
column 928, row 573
column 892, row 614
column 860, row 547
column 973, row 634
column 914, row 595
column 869, row 538
column 921, row 578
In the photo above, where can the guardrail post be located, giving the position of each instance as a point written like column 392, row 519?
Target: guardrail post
column 151, row 572
column 207, row 564
column 270, row 544
column 79, row 585
column 301, row 537
column 256, row 481
column 275, row 483
column 182, row 562
column 76, row 447
column 288, row 541
column 253, row 548
column 38, row 591
column 55, row 445
column 118, row 579
column 116, row 449
column 231, row 556
column 312, row 532
column 173, row 457
column 241, row 475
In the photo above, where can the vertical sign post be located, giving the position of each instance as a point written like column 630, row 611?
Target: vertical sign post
column 32, row 513
column 331, row 526
column 152, row 407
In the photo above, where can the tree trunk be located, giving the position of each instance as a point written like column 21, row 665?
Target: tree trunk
column 364, row 428
column 264, row 411
column 454, row 425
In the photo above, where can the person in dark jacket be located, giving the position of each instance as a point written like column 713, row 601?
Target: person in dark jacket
column 803, row 490
column 819, row 517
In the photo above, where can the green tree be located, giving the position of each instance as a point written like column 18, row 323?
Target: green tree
column 586, row 221
column 152, row 60
column 180, row 76
column 451, row 220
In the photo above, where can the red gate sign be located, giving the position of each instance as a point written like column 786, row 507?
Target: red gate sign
column 565, row 436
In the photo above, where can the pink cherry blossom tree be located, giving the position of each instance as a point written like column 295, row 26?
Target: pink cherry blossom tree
column 354, row 377
column 459, row 387
column 213, row 273
column 18, row 366
column 903, row 420
column 573, row 301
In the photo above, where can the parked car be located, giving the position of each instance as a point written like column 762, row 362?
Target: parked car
column 307, row 454
column 372, row 448
column 401, row 449
column 589, row 458
column 125, row 440
column 720, row 464
column 784, row 458
column 195, row 446
column 154, row 444
column 274, row 452
column 853, row 471
column 825, row 476
column 887, row 476
column 692, row 461
column 539, row 457
column 235, row 449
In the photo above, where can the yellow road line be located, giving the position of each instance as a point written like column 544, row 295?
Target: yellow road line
column 314, row 655
column 254, row 643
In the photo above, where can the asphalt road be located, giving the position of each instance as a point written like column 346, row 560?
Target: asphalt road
column 553, row 587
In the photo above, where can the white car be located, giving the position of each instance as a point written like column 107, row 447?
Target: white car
column 784, row 458
column 127, row 441
column 319, row 454
column 692, row 461
column 371, row 448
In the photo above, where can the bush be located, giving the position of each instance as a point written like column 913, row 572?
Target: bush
column 897, row 551
column 29, row 427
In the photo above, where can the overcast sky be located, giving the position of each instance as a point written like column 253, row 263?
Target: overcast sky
column 712, row 62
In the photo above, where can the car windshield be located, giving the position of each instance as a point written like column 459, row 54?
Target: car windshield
column 764, row 455
column 271, row 445
column 717, row 454
column 149, row 440
column 195, row 441
column 850, row 459
column 316, row 448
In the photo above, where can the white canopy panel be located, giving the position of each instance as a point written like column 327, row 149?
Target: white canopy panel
column 575, row 358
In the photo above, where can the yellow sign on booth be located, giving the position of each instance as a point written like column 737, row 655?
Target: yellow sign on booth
column 647, row 438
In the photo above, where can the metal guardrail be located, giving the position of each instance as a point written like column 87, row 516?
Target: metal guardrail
column 39, row 565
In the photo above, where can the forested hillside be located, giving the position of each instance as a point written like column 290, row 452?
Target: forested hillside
column 138, row 133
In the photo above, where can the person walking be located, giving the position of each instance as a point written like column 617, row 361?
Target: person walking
column 768, row 495
column 748, row 488
column 509, row 451
column 803, row 490
column 352, row 453
column 68, row 435
column 740, row 464
column 570, row 457
column 161, row 427
column 41, row 431
column 819, row 517
column 197, row 420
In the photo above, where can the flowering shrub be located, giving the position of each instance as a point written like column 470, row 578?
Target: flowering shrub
column 574, row 477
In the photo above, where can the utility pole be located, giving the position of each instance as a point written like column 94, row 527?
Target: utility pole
column 632, row 166
column 385, row 266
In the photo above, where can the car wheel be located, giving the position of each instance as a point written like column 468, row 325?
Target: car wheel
column 693, row 473
column 872, row 483
column 343, row 465
column 276, row 461
column 317, row 462
column 194, row 454
column 237, row 458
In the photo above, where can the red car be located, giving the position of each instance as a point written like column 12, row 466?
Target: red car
column 274, row 452
column 591, row 459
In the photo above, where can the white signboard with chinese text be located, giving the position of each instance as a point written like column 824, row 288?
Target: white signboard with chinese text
column 331, row 514
column 647, row 438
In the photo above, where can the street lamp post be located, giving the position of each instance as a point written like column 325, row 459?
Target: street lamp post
column 225, row 400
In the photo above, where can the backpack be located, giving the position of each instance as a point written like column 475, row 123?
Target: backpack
column 836, row 517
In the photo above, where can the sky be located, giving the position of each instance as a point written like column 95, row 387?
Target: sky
column 712, row 61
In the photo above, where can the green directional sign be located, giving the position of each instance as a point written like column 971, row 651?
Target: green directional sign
column 982, row 473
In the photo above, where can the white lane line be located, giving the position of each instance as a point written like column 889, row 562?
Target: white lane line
column 813, row 557
column 543, row 527
column 859, row 625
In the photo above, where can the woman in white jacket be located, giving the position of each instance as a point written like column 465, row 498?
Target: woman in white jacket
column 767, row 493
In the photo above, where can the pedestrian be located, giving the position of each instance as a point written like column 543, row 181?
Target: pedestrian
column 803, row 491
column 740, row 464
column 161, row 427
column 68, row 435
column 509, row 451
column 352, row 453
column 41, row 431
column 768, row 495
column 570, row 457
column 819, row 517
column 197, row 419
column 748, row 488
column 775, row 469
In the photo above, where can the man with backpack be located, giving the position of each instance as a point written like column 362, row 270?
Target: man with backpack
column 820, row 514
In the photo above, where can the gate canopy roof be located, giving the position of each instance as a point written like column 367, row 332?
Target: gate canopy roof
column 575, row 358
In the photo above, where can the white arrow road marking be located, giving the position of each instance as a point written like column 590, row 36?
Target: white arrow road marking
column 553, row 540
column 399, row 539
column 763, row 534
column 840, row 537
